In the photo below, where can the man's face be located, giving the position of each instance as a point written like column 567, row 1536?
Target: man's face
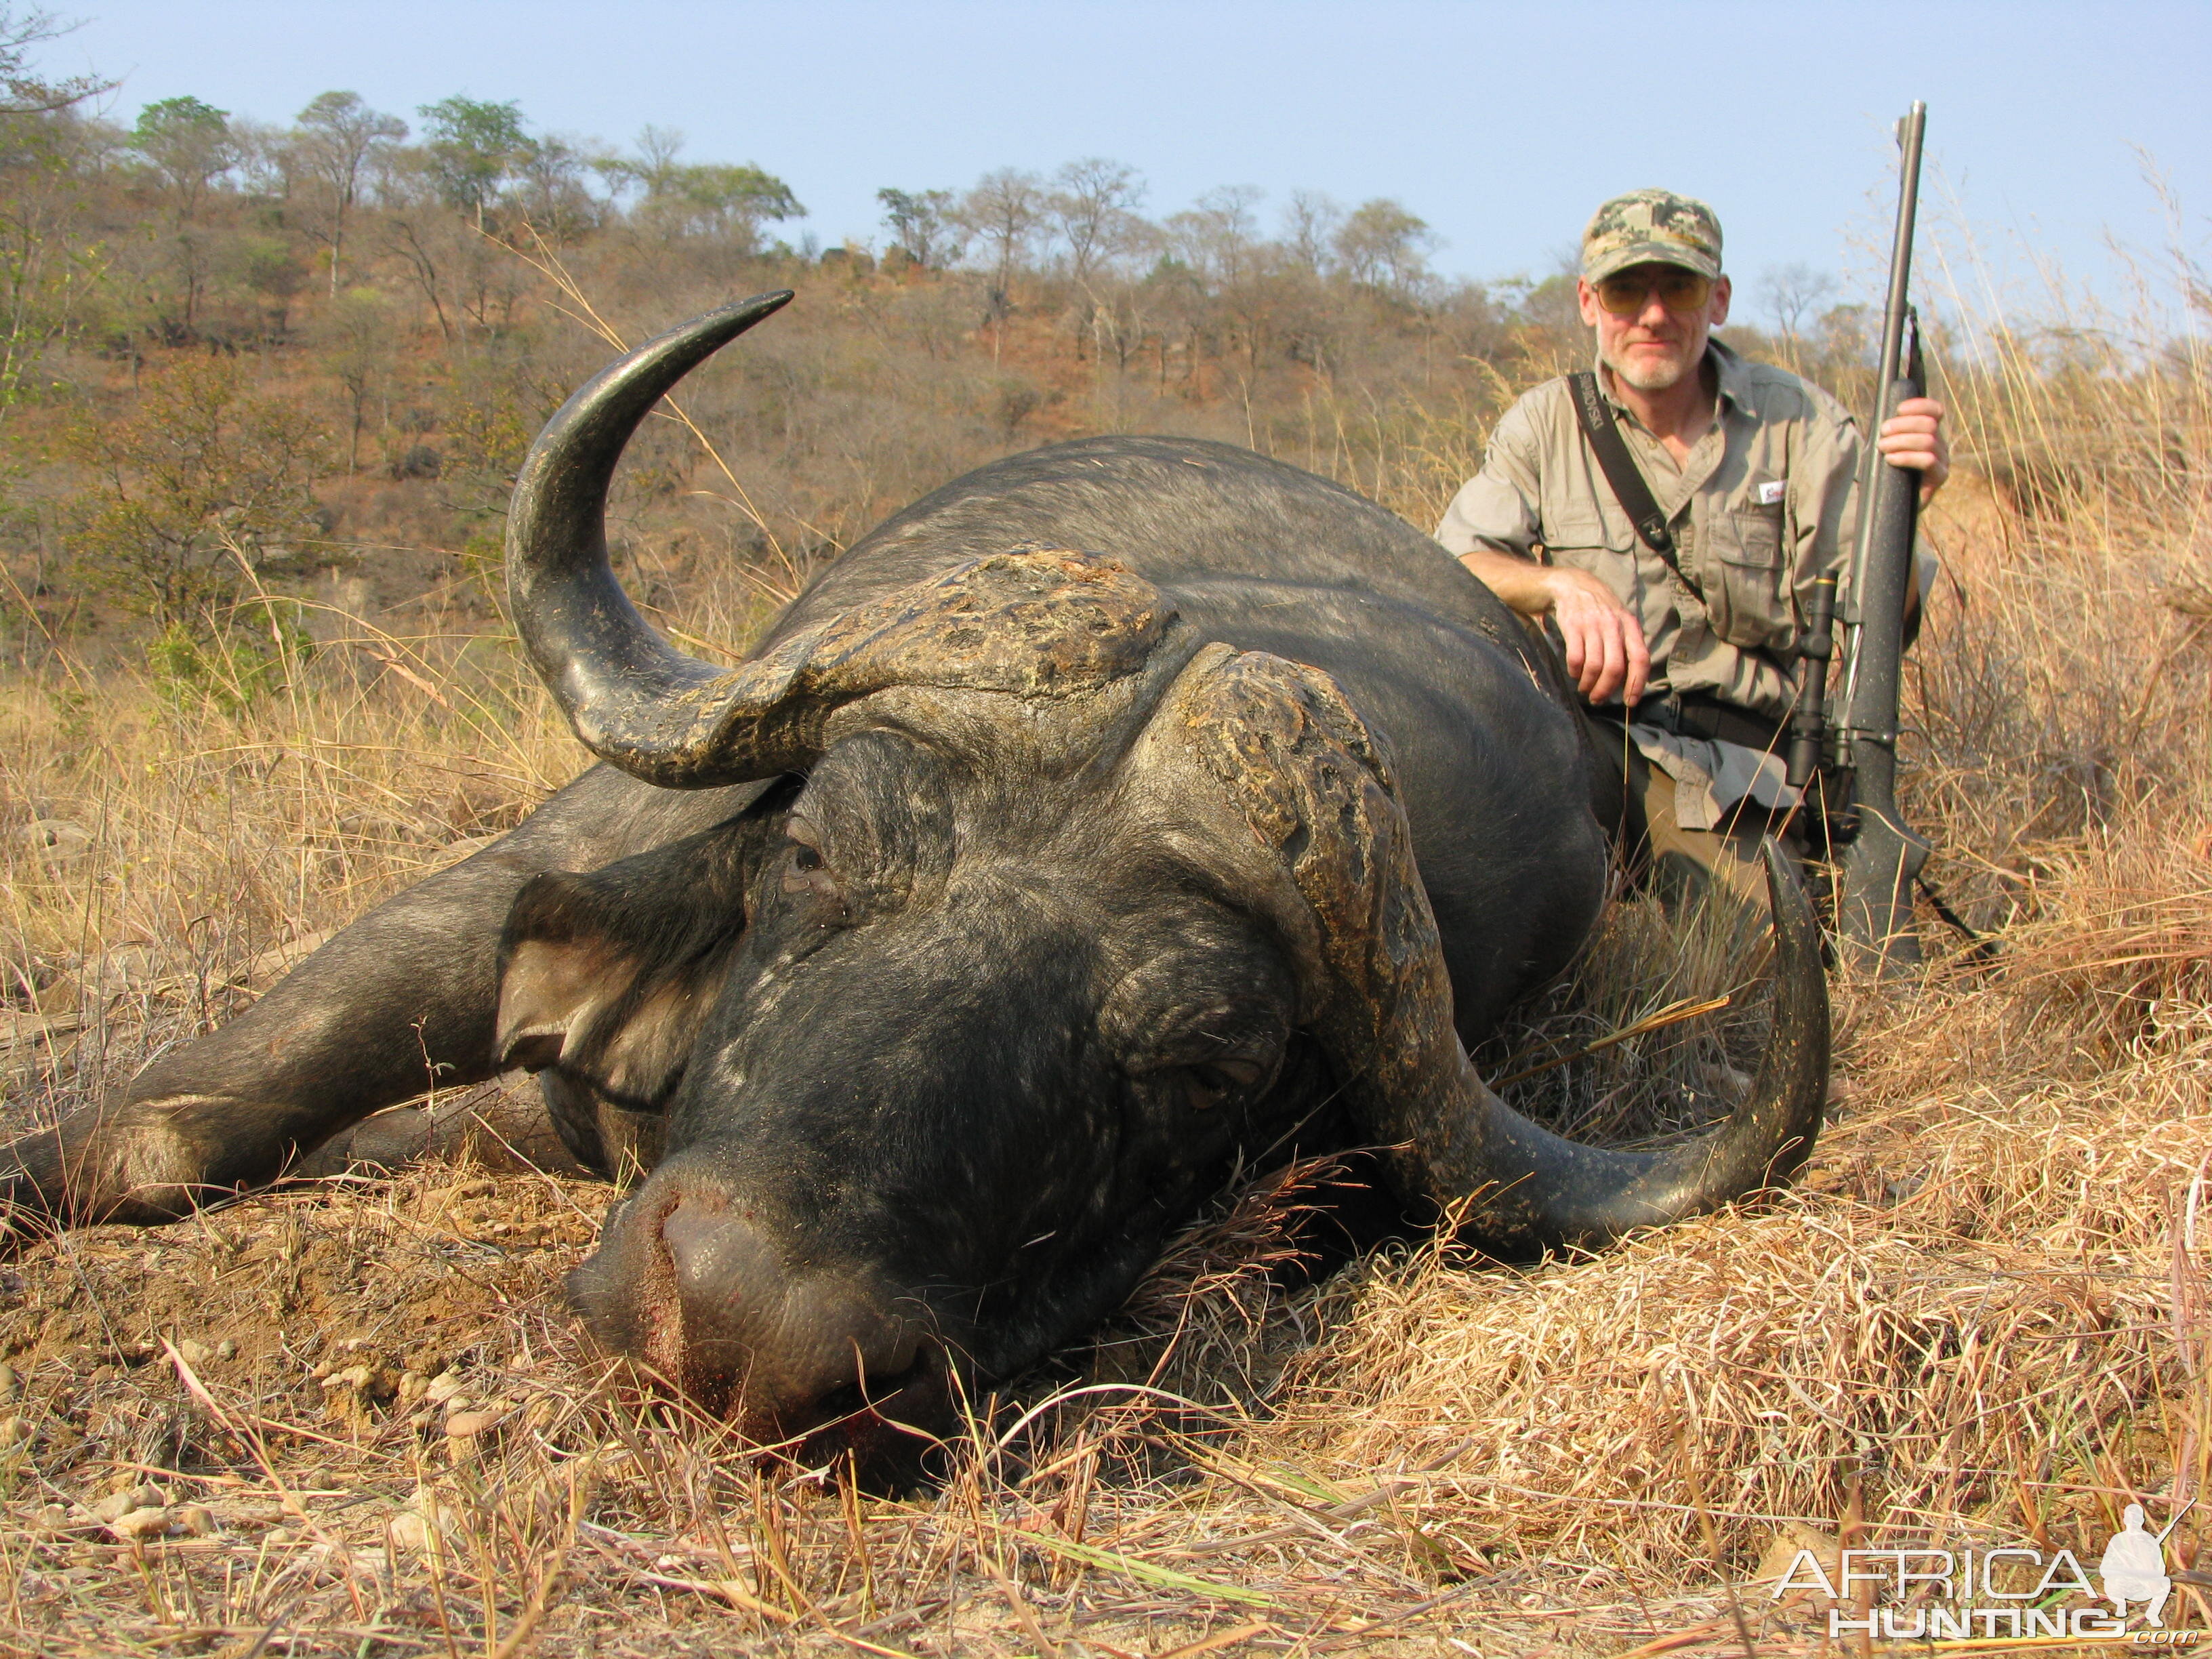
column 1656, row 345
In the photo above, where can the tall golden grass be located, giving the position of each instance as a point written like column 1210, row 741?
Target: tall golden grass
column 352, row 1417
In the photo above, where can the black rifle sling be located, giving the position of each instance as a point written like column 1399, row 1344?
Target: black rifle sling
column 1620, row 469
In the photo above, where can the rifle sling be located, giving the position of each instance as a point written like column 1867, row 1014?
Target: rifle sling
column 1621, row 469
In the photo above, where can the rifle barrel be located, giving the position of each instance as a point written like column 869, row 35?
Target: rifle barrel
column 1913, row 133
column 1875, row 897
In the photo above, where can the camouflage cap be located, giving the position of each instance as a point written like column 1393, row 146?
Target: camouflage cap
column 1648, row 226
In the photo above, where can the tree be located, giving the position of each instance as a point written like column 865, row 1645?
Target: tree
column 1220, row 238
column 200, row 484
column 1003, row 212
column 21, row 92
column 922, row 221
column 1794, row 293
column 1218, row 235
column 188, row 145
column 651, row 167
column 338, row 136
column 355, row 333
column 475, row 149
column 50, row 268
column 1094, row 211
column 718, row 201
column 1382, row 245
column 1311, row 224
column 549, row 190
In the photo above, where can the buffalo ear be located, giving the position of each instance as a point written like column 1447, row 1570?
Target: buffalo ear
column 608, row 976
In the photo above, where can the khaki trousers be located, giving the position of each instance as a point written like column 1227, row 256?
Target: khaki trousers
column 1680, row 866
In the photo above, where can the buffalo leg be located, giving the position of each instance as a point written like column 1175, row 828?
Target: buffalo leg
column 401, row 1001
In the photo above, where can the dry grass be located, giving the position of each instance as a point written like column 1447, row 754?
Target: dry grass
column 1980, row 1318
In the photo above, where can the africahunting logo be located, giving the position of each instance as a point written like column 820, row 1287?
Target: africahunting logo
column 2018, row 1593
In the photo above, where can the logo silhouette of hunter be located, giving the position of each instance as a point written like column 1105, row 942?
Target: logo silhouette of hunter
column 2134, row 1569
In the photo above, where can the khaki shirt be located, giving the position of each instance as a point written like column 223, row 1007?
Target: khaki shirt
column 1764, row 507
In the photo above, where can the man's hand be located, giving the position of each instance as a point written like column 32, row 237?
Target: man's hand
column 1606, row 652
column 1913, row 437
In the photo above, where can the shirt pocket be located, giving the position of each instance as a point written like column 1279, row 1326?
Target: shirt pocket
column 1748, row 553
column 1580, row 534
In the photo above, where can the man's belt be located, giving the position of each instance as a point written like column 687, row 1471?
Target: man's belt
column 1695, row 714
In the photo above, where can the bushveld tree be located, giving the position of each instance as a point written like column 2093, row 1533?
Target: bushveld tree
column 1094, row 211
column 335, row 141
column 475, row 149
column 188, row 144
column 201, row 483
column 549, row 190
column 1795, row 294
column 50, row 271
column 359, row 346
column 710, row 201
column 1382, row 245
column 1220, row 241
column 22, row 92
column 1310, row 222
column 924, row 223
column 1003, row 212
column 441, row 206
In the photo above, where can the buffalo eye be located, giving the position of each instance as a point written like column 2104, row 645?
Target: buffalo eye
column 807, row 871
column 1210, row 1084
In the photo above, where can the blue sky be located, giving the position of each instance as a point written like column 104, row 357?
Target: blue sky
column 1502, row 124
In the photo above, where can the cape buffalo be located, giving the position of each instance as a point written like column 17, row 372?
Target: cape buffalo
column 1098, row 816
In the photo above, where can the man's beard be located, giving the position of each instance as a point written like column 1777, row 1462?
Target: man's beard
column 1651, row 376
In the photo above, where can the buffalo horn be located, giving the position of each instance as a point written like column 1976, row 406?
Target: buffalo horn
column 1305, row 774
column 1036, row 621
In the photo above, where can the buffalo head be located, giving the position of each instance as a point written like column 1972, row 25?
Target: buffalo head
column 1046, row 906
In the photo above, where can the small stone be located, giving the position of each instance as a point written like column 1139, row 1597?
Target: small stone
column 277, row 1536
column 443, row 1387
column 412, row 1387
column 467, row 1426
column 52, row 1519
column 10, row 1384
column 423, row 1420
column 194, row 1354
column 113, row 1507
column 141, row 1524
column 196, row 1519
column 356, row 1378
column 14, row 1431
column 225, row 1349
column 409, row 1531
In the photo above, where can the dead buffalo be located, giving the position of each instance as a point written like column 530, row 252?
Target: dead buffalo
column 1098, row 816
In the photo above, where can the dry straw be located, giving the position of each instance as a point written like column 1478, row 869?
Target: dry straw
column 354, row 1417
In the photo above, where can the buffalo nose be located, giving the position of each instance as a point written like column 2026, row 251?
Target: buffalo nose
column 777, row 1348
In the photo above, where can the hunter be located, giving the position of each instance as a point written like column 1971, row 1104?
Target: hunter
column 1685, row 650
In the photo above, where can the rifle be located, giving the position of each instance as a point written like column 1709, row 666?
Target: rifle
column 1873, row 901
